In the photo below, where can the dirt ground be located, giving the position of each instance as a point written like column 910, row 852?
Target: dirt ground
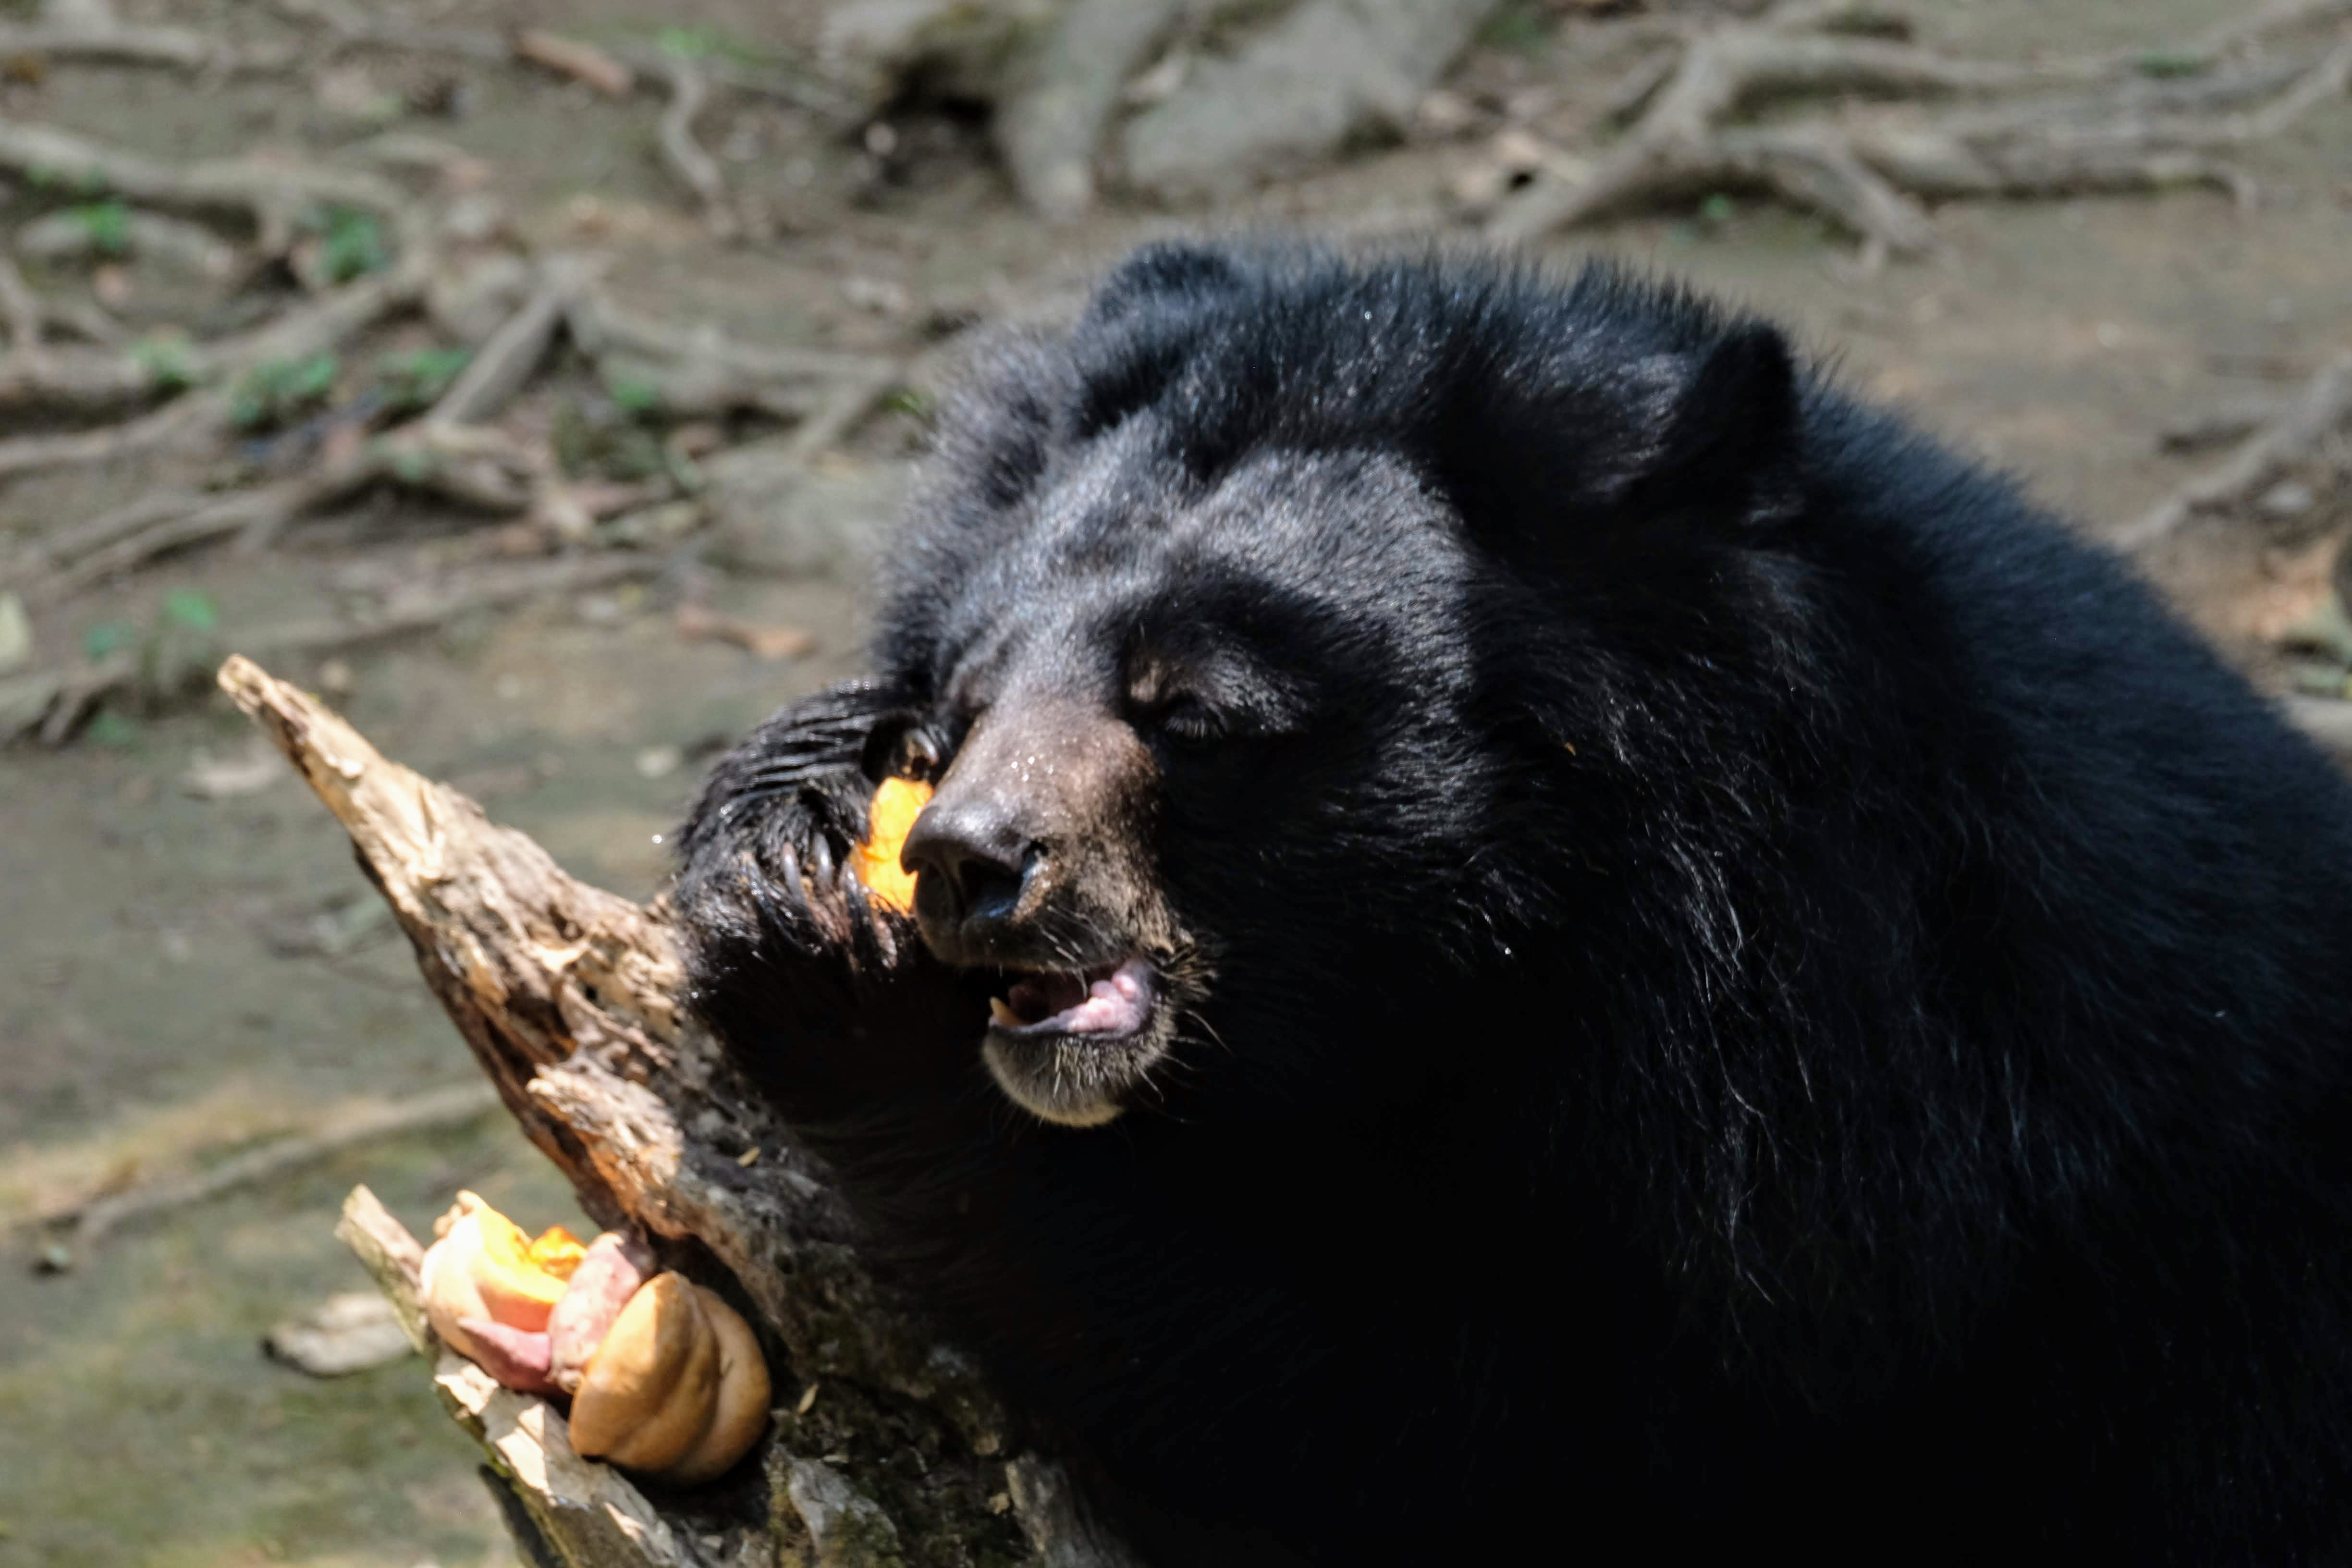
column 160, row 1007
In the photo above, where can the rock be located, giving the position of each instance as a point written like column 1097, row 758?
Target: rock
column 2288, row 498
column 775, row 514
column 1327, row 72
column 342, row 1334
column 254, row 768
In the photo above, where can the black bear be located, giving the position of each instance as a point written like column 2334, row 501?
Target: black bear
column 1537, row 929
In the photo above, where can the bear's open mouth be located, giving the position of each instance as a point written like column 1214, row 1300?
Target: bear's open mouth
column 1072, row 1045
column 1109, row 1002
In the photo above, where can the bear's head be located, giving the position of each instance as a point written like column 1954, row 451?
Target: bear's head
column 1270, row 640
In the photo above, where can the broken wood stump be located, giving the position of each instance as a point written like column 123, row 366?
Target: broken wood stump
column 886, row 1447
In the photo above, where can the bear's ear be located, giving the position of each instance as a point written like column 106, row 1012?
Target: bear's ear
column 1555, row 460
column 1140, row 325
column 1731, row 428
column 1185, row 273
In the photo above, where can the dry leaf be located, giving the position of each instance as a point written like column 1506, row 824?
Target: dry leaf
column 771, row 642
column 582, row 62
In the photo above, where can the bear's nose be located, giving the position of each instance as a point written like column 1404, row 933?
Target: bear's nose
column 969, row 860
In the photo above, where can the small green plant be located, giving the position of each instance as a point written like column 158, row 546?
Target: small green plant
column 104, row 638
column 276, row 391
column 108, row 224
column 2170, row 63
column 110, row 728
column 410, row 466
column 685, row 43
column 350, row 242
column 615, row 441
column 181, row 646
column 88, row 183
column 168, row 358
column 1519, row 27
column 634, row 395
column 908, row 400
column 190, row 609
column 415, row 380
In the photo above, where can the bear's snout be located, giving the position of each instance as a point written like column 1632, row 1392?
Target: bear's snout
column 1024, row 856
column 972, row 866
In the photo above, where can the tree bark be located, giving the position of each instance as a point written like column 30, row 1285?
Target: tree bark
column 887, row 1447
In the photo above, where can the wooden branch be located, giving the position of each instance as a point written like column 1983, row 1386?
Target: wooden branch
column 2318, row 419
column 506, row 360
column 277, row 196
column 570, row 998
column 481, row 469
column 51, row 704
column 276, row 193
column 90, row 1223
column 2114, row 129
column 1051, row 125
column 178, row 49
column 689, row 89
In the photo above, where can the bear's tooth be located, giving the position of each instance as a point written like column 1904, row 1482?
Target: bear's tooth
column 1001, row 1011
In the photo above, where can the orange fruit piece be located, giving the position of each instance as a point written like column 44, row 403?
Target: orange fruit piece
column 557, row 1251
column 897, row 804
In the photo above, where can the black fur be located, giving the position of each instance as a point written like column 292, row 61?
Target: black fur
column 1750, row 991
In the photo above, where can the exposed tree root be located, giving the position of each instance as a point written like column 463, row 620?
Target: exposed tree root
column 2113, row 128
column 21, row 313
column 86, row 1224
column 1051, row 124
column 277, row 195
column 278, row 198
column 349, row 27
column 89, row 380
column 195, row 417
column 191, row 247
column 186, row 395
column 689, row 90
column 62, row 547
column 2220, row 426
column 2310, row 433
column 88, row 31
column 478, row 469
column 51, row 705
column 445, row 452
column 507, row 358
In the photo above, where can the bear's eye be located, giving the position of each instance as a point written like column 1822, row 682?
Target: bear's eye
column 1187, row 719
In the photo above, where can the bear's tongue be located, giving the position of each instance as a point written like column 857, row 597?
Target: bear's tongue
column 1107, row 1000
column 1038, row 996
